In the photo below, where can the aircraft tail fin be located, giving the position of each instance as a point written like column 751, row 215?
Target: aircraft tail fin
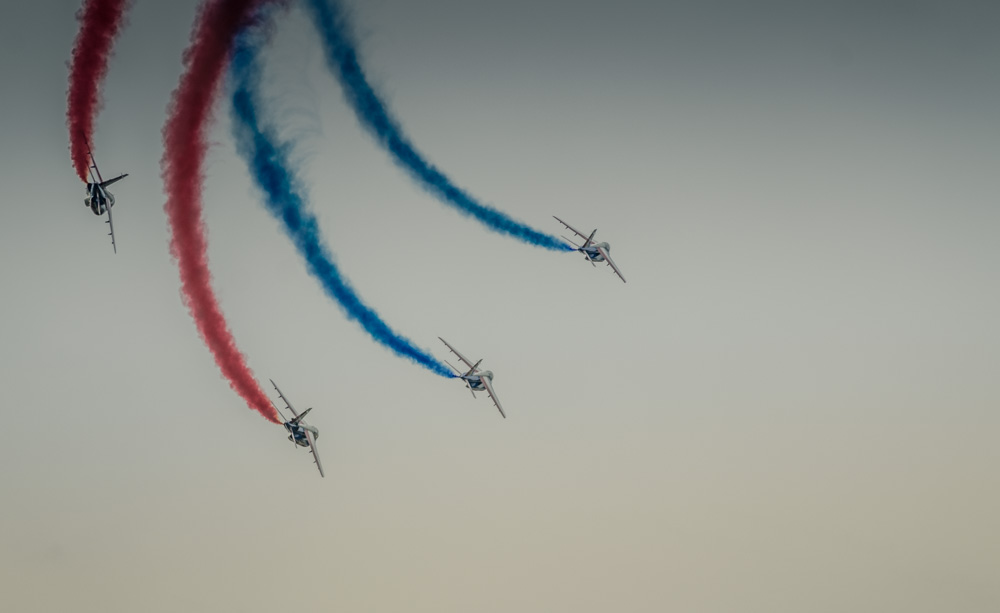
column 474, row 367
column 301, row 415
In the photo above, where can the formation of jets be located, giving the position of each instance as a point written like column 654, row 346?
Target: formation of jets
column 100, row 201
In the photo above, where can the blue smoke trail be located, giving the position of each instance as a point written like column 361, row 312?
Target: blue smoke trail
column 332, row 24
column 269, row 166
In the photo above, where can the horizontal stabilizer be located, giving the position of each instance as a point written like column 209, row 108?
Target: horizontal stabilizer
column 457, row 371
column 115, row 180
column 570, row 242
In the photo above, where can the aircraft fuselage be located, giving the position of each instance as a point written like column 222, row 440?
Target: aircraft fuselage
column 476, row 381
column 98, row 199
column 592, row 252
column 297, row 433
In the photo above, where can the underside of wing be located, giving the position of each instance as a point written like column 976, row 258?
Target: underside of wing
column 111, row 228
column 611, row 263
column 493, row 396
column 288, row 405
column 571, row 228
column 312, row 448
column 456, row 352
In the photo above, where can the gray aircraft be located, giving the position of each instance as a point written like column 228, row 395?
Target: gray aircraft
column 299, row 432
column 476, row 380
column 99, row 199
column 594, row 252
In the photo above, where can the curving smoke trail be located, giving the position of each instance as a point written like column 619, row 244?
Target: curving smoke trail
column 283, row 195
column 372, row 112
column 100, row 23
column 184, row 142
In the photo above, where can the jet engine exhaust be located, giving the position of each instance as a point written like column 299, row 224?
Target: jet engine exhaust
column 342, row 58
column 100, row 24
column 181, row 168
column 270, row 168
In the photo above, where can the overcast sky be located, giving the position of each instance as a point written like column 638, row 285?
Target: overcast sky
column 791, row 406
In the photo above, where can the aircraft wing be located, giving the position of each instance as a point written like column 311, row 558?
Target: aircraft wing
column 571, row 228
column 112, row 232
column 611, row 263
column 287, row 404
column 93, row 166
column 456, row 352
column 312, row 448
column 493, row 396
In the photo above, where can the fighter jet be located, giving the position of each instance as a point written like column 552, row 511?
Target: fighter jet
column 594, row 252
column 99, row 199
column 299, row 432
column 476, row 380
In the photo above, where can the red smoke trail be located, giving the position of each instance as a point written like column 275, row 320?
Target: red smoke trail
column 184, row 141
column 100, row 22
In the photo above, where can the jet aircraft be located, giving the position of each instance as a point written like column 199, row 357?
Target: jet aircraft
column 594, row 252
column 99, row 199
column 476, row 380
column 299, row 432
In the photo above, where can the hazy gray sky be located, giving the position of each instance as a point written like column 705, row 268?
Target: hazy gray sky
column 791, row 406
